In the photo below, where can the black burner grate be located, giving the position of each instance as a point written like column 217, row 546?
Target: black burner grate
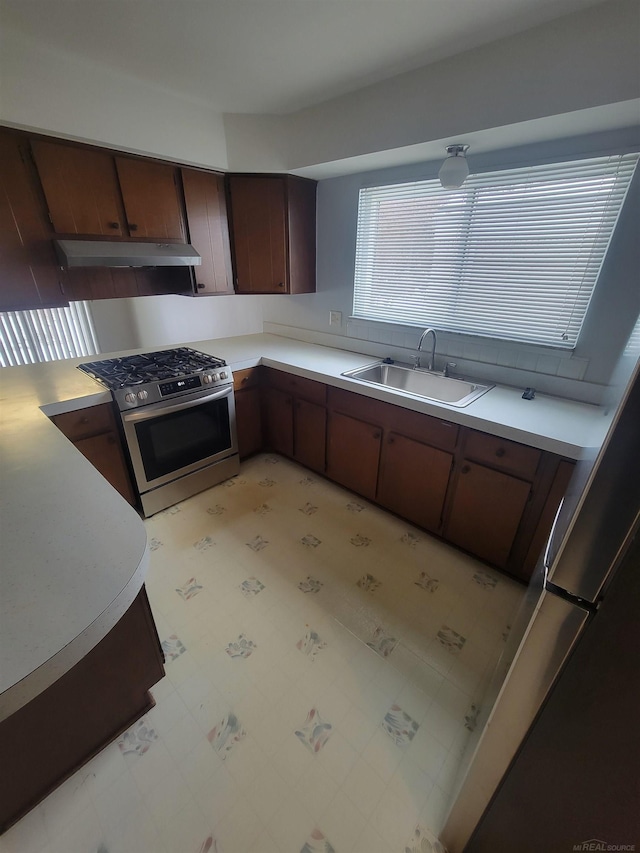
column 131, row 370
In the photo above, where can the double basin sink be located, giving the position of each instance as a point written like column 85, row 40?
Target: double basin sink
column 420, row 383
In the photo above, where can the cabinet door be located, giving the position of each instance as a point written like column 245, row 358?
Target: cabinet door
column 301, row 213
column 151, row 199
column 248, row 421
column 310, row 434
column 208, row 230
column 81, row 188
column 413, row 480
column 258, row 215
column 353, row 453
column 29, row 273
column 278, row 411
column 105, row 453
column 485, row 512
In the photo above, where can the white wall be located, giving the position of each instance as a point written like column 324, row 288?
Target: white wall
column 156, row 321
column 49, row 91
column 575, row 63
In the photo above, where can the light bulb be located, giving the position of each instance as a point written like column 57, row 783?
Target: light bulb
column 455, row 168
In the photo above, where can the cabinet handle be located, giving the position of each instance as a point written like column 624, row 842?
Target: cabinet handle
column 245, row 379
column 280, row 284
column 200, row 285
column 84, row 420
column 132, row 227
column 114, row 225
column 376, row 435
column 465, row 469
column 500, row 452
column 391, row 440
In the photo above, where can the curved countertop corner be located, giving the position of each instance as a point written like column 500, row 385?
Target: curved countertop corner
column 74, row 553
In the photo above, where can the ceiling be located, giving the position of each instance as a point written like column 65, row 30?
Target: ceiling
column 271, row 56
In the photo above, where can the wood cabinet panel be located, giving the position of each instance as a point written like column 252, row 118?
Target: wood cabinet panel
column 309, row 389
column 557, row 491
column 247, row 378
column 278, row 414
column 249, row 420
column 151, row 200
column 485, row 512
column 424, row 428
column 45, row 741
column 258, row 209
column 310, row 434
column 104, row 451
column 29, row 272
column 504, row 455
column 273, row 226
column 413, row 480
column 95, row 434
column 85, row 422
column 353, row 453
column 208, row 230
column 81, row 189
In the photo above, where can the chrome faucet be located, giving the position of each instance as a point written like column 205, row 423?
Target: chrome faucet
column 432, row 359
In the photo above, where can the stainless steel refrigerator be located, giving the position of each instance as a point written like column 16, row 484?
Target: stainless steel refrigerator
column 558, row 761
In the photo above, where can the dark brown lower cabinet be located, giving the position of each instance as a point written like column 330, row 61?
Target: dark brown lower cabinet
column 310, row 431
column 413, row 480
column 45, row 741
column 249, row 421
column 94, row 433
column 353, row 451
column 485, row 512
column 278, row 417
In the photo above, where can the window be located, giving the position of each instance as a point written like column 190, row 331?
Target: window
column 514, row 254
column 46, row 334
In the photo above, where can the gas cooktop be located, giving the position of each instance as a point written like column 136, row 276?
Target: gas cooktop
column 116, row 373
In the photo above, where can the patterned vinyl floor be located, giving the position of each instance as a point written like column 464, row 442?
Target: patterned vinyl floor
column 324, row 664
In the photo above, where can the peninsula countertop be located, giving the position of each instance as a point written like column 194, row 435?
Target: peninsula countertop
column 75, row 553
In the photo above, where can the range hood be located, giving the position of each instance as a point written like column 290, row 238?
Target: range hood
column 102, row 253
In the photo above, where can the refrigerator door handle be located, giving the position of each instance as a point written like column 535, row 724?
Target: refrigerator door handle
column 547, row 559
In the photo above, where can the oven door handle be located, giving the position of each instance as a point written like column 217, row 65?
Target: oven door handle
column 160, row 409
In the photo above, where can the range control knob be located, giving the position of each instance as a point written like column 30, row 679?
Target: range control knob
column 223, row 375
column 130, row 397
column 207, row 379
column 142, row 395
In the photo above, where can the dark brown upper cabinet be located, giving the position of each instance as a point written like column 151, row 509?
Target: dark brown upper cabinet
column 273, row 228
column 206, row 207
column 29, row 273
column 151, row 199
column 81, row 189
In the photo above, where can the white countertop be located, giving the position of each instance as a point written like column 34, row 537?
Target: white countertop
column 74, row 553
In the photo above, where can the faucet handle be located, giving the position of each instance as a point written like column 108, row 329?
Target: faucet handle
column 449, row 366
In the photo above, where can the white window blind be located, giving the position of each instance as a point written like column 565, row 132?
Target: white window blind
column 514, row 254
column 46, row 334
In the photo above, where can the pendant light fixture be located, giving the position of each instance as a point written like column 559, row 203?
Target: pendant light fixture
column 455, row 168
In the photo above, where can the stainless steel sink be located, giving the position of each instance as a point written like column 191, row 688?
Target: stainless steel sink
column 420, row 383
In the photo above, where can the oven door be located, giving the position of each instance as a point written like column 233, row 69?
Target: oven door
column 175, row 437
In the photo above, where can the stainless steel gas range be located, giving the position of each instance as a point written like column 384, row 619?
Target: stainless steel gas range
column 178, row 418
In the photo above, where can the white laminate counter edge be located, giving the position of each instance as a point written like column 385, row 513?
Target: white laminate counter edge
column 60, row 663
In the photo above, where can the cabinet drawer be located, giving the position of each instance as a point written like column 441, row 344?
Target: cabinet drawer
column 308, row 389
column 425, row 428
column 502, row 454
column 248, row 378
column 350, row 403
column 85, row 422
